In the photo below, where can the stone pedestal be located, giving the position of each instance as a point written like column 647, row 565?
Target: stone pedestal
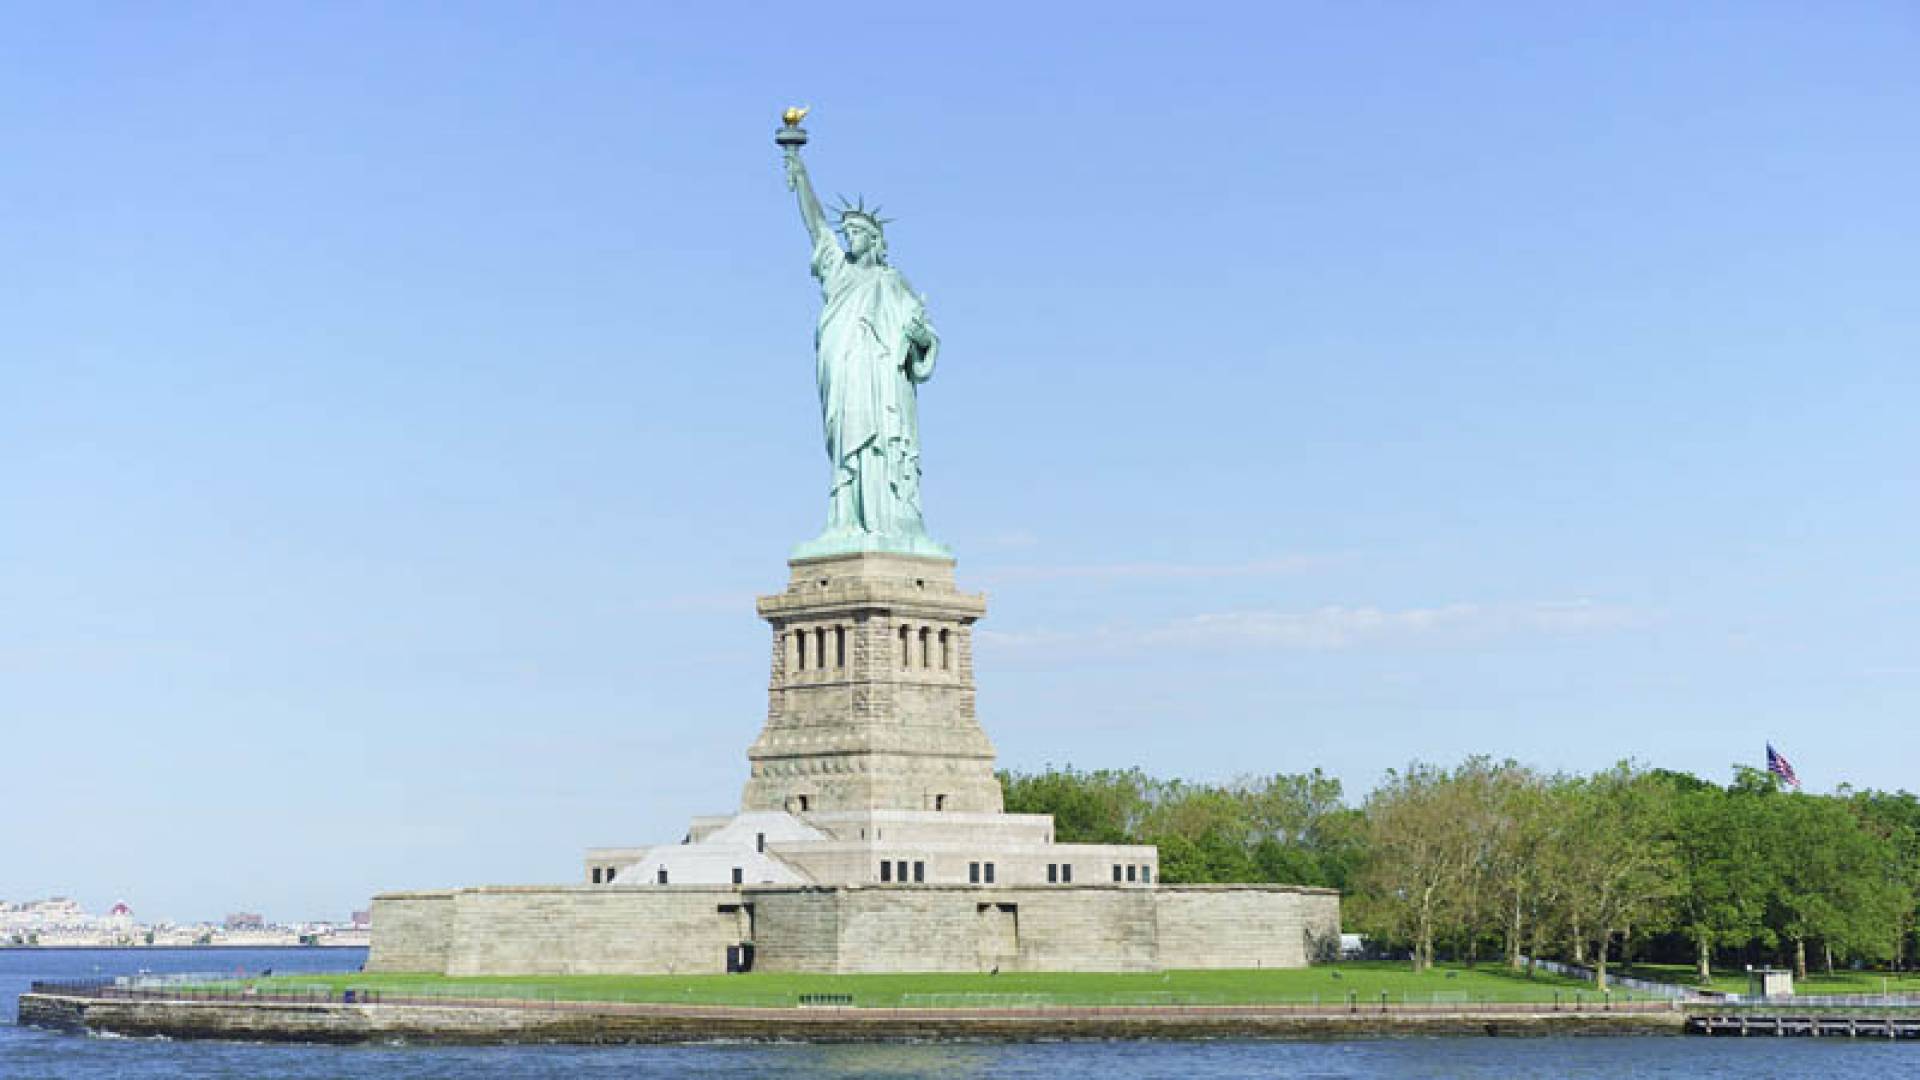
column 872, row 837
column 871, row 701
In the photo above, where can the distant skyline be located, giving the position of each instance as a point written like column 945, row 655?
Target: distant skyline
column 1384, row 383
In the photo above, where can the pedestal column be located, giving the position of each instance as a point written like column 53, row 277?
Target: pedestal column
column 871, row 700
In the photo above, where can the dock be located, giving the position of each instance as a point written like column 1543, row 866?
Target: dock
column 1788, row 1021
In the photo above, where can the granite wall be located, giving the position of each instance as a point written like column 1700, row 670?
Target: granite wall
column 581, row 930
column 558, row 930
column 413, row 931
column 1244, row 926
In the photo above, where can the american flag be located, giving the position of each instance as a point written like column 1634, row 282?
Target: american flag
column 1778, row 765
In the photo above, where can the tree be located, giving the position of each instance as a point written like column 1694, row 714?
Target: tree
column 1419, row 849
column 1495, row 851
column 1301, row 832
column 1290, row 808
column 1103, row 807
column 1283, row 827
column 1896, row 818
column 1517, row 862
column 1202, row 832
column 1832, row 881
column 1723, row 871
column 1620, row 862
column 1478, row 907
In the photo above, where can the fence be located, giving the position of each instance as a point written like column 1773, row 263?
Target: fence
column 1543, row 999
column 1849, row 1001
column 1647, row 987
column 226, row 987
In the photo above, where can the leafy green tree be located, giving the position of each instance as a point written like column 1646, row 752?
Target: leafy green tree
column 1517, row 867
column 1102, row 807
column 1620, row 861
column 1491, row 850
column 1723, row 870
column 1833, row 881
column 1419, row 850
column 1895, row 817
column 1547, row 914
column 1207, row 829
column 1291, row 808
column 1282, row 827
column 1342, row 849
column 1302, row 833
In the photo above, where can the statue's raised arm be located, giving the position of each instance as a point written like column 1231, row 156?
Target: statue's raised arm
column 791, row 138
column 873, row 346
column 811, row 213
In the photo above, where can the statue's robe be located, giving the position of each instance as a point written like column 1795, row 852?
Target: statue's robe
column 868, row 368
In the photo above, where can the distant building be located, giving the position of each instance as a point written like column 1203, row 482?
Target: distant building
column 244, row 920
column 119, row 919
column 62, row 921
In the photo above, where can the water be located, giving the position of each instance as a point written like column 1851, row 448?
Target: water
column 27, row 1054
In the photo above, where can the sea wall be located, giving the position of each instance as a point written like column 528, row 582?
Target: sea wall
column 384, row 1023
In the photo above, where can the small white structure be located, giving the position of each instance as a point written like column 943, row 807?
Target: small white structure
column 1768, row 983
column 734, row 853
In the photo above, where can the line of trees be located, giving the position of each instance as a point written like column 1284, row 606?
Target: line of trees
column 1494, row 858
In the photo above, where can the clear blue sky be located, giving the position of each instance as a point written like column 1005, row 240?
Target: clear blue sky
column 404, row 403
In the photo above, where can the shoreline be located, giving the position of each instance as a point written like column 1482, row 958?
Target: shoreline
column 183, row 948
column 500, row 1022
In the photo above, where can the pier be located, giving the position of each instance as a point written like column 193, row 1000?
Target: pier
column 1788, row 1021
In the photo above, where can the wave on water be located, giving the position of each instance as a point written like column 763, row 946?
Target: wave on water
column 115, row 1036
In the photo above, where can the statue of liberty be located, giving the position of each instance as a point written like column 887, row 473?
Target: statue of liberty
column 872, row 347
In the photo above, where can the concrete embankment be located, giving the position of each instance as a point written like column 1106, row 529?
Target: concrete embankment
column 585, row 1022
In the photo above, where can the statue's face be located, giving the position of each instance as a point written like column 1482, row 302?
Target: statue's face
column 862, row 241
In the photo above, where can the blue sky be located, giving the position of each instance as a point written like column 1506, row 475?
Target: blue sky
column 404, row 404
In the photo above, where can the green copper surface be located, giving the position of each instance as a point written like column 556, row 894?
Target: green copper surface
column 873, row 347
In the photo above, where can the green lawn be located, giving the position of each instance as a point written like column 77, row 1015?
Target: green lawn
column 1328, row 984
column 1734, row 980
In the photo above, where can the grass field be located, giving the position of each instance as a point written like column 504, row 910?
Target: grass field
column 1327, row 984
column 1734, row 981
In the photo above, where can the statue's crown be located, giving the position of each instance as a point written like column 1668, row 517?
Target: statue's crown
column 859, row 209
